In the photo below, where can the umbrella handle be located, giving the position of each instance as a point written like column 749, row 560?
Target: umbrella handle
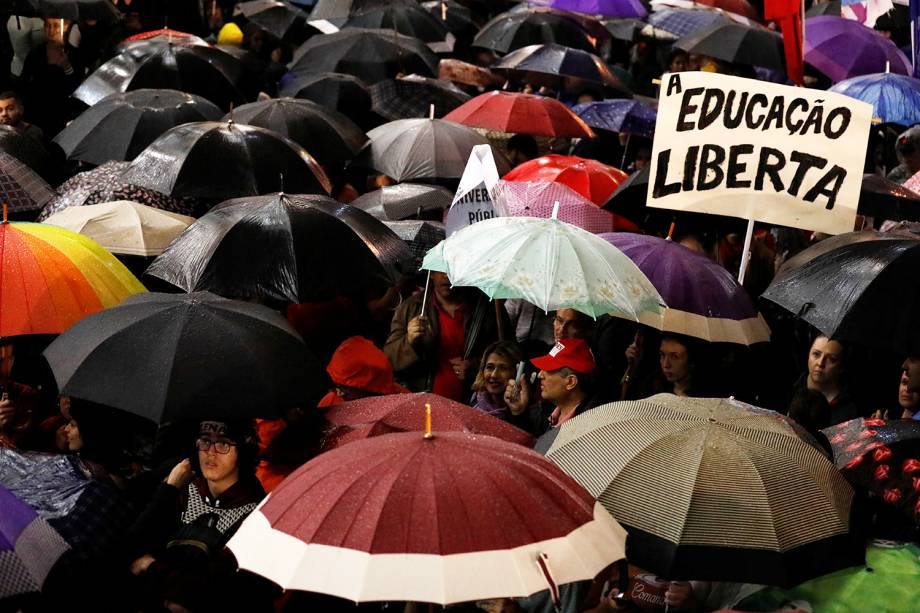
column 550, row 582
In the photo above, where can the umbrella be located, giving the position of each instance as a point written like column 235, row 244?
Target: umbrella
column 173, row 357
column 626, row 116
column 344, row 93
column 862, row 292
column 407, row 18
column 550, row 64
column 547, row 262
column 834, row 242
column 713, row 489
column 624, row 29
column 404, row 200
column 193, row 69
column 283, row 247
column 607, row 8
column 253, row 161
column 590, row 178
column 683, row 22
column 421, row 149
column 740, row 11
column 20, row 187
column 516, row 29
column 456, row 17
column 331, row 137
column 520, row 114
column 843, row 48
column 50, row 278
column 166, row 35
column 120, row 126
column 337, row 11
column 738, row 44
column 280, row 19
column 420, row 236
column 454, row 70
column 374, row 416
column 413, row 96
column 631, row 193
column 894, row 98
column 540, row 198
column 358, row 521
column 371, row 55
column 123, row 227
column 28, row 150
column 824, row 8
column 886, row 199
column 704, row 300
column 29, row 547
column 78, row 10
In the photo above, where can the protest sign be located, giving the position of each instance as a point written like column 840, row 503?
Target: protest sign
column 473, row 200
column 760, row 151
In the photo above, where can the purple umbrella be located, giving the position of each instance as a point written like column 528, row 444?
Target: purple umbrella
column 703, row 299
column 607, row 8
column 842, row 48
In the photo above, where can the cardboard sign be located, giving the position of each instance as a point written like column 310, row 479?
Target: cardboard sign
column 473, row 200
column 784, row 155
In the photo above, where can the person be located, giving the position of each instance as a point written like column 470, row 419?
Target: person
column 678, row 61
column 12, row 113
column 359, row 369
column 18, row 404
column 825, row 374
column 907, row 149
column 91, row 433
column 908, row 392
column 677, row 369
column 569, row 323
column 497, row 367
column 521, row 148
column 566, row 383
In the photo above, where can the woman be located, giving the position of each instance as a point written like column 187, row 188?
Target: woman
column 497, row 367
column 677, row 369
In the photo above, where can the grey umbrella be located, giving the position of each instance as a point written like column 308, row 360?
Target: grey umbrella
column 404, row 200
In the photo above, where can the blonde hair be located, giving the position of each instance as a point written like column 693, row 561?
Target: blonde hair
column 509, row 350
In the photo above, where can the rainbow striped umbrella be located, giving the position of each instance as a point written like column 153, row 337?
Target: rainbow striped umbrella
column 51, row 277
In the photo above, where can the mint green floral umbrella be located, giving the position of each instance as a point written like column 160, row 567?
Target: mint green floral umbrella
column 549, row 263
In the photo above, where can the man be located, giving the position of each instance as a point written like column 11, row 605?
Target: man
column 12, row 114
column 907, row 149
column 566, row 383
column 569, row 323
column 826, row 367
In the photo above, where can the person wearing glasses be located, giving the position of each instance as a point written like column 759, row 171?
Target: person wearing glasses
column 176, row 542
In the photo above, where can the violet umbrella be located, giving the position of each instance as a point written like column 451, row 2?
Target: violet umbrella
column 607, row 8
column 842, row 48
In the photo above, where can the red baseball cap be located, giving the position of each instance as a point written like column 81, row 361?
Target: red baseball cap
column 573, row 353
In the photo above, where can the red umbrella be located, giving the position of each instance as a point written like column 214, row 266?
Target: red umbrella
column 376, row 415
column 590, row 178
column 520, row 114
column 165, row 34
column 447, row 518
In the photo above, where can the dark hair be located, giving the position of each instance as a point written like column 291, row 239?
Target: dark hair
column 509, row 350
column 102, row 429
column 583, row 324
column 675, row 53
column 585, row 381
column 811, row 410
column 525, row 143
column 8, row 94
column 243, row 433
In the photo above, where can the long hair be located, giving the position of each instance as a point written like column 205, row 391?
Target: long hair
column 509, row 350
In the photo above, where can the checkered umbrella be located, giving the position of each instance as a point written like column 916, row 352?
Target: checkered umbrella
column 20, row 187
column 413, row 96
column 419, row 236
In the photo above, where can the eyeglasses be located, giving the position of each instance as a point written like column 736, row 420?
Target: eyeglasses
column 221, row 447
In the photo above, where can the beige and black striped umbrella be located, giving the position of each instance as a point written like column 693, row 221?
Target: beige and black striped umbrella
column 713, row 489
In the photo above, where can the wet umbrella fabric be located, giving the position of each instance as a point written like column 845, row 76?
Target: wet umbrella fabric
column 843, row 48
column 683, row 22
column 540, row 199
column 166, row 35
column 513, row 30
column 289, row 248
column 520, row 114
column 607, row 8
column 551, row 64
column 329, row 136
column 356, row 521
column 886, row 199
column 713, row 489
column 420, row 236
column 589, row 178
column 341, row 92
column 624, row 116
column 20, row 187
column 173, row 357
column 407, row 18
column 252, row 161
column 120, row 126
column 28, row 150
column 735, row 43
column 403, row 200
column 739, row 11
column 413, row 96
column 894, row 98
column 280, row 19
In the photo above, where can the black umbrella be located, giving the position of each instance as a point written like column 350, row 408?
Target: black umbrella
column 27, row 149
column 413, row 96
column 459, row 19
column 405, row 17
column 516, row 29
column 419, row 236
column 173, row 357
column 120, row 126
column 342, row 92
column 78, row 10
column 337, row 11
column 626, row 29
column 194, row 69
column 280, row 19
column 550, row 64
column 329, row 136
column 283, row 247
column 404, row 201
column 20, row 187
column 886, row 199
column 371, row 55
column 219, row 160
column 864, row 292
column 824, row 8
column 738, row 44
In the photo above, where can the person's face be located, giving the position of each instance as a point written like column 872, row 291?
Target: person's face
column 10, row 112
column 72, row 432
column 674, row 361
column 908, row 397
column 54, row 29
column 680, row 63
column 496, row 373
column 441, row 285
column 565, row 324
column 555, row 387
column 825, row 361
column 6, row 360
column 216, row 467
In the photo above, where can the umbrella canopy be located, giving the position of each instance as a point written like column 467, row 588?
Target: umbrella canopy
column 738, row 44
column 516, row 29
column 894, row 98
column 520, row 114
column 123, row 226
column 405, row 17
column 20, row 188
column 843, row 48
column 704, row 299
column 550, row 64
column 29, row 547
column 120, row 126
column 683, row 22
column 626, row 116
column 283, row 247
column 377, row 415
column 590, row 178
column 887, row 199
column 739, row 11
column 167, row 35
column 252, row 161
column 403, row 200
column 540, row 198
column 78, row 10
column 50, row 278
column 173, row 357
column 421, row 149
column 28, row 150
column 420, row 237
column 344, row 93
column 355, row 522
column 280, row 19
column 834, row 242
column 547, row 262
column 329, row 136
column 861, row 292
column 413, row 96
column 193, row 69
column 607, row 8
column 824, row 8
column 465, row 73
column 336, row 11
column 371, row 55
column 624, row 29
column 713, row 489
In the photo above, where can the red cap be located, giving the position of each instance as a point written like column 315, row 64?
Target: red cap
column 573, row 353
column 360, row 364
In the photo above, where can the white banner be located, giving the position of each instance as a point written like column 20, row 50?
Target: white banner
column 784, row 155
column 473, row 201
